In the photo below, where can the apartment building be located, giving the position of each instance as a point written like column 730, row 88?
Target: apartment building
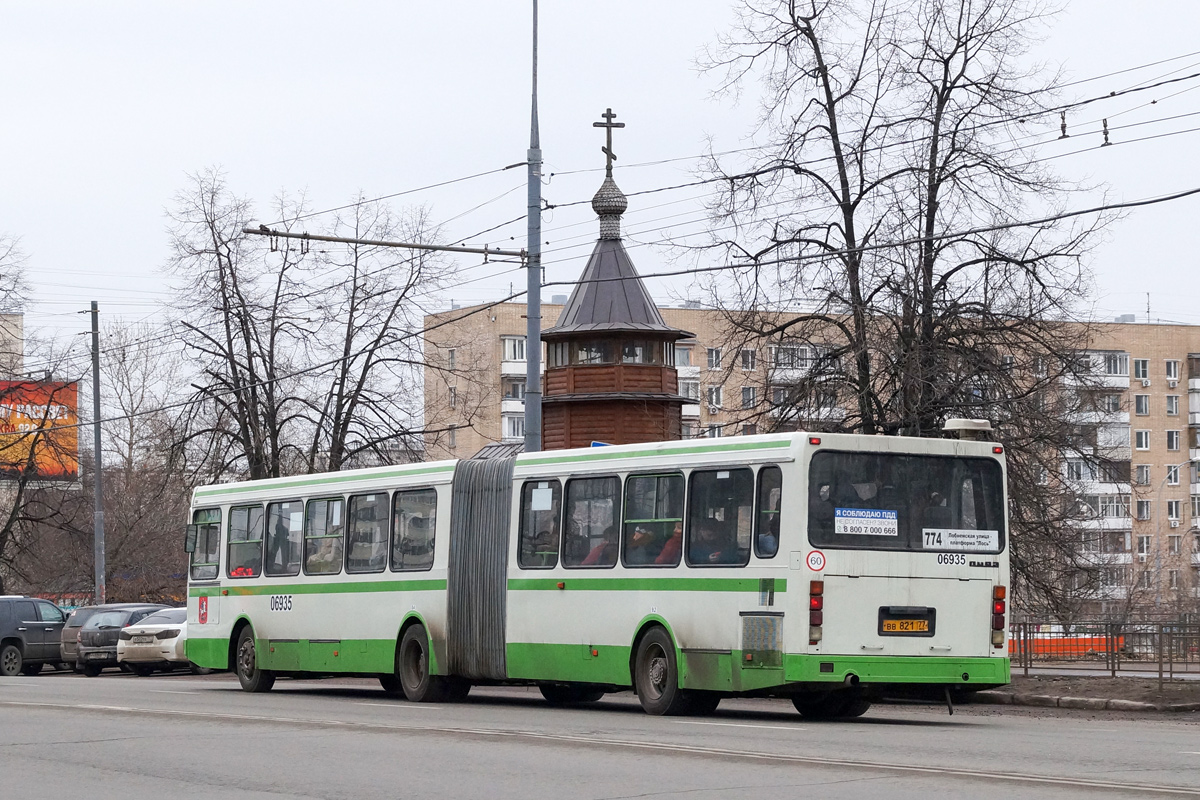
column 1134, row 466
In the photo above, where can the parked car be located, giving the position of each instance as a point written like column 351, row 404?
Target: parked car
column 99, row 635
column 157, row 642
column 78, row 618
column 29, row 634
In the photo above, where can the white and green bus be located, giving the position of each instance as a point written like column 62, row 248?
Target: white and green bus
column 826, row 568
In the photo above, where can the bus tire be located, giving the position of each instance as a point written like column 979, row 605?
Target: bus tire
column 567, row 694
column 391, row 685
column 249, row 675
column 835, row 704
column 412, row 668
column 656, row 675
column 701, row 703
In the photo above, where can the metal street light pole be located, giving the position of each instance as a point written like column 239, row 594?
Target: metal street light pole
column 533, row 249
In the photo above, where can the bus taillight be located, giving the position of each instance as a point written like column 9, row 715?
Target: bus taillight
column 998, row 609
column 816, row 616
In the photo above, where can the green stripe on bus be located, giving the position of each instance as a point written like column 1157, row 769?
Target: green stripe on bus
column 644, row 584
column 322, row 480
column 604, row 454
column 234, row 590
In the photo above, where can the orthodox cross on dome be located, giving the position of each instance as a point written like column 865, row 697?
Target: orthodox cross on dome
column 608, row 123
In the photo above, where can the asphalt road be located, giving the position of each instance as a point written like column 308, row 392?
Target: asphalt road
column 118, row 736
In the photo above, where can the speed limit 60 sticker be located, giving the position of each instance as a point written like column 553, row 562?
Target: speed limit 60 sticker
column 815, row 560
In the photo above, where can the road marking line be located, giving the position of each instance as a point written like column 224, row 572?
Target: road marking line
column 739, row 725
column 421, row 706
column 168, row 691
column 662, row 747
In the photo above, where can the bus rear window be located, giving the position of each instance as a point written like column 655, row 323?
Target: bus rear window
column 886, row 501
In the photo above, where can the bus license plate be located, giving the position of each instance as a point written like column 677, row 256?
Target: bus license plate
column 906, row 626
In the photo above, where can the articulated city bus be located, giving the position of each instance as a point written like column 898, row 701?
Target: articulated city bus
column 826, row 568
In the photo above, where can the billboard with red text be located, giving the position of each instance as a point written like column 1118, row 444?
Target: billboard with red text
column 39, row 430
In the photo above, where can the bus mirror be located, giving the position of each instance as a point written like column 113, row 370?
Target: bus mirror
column 189, row 538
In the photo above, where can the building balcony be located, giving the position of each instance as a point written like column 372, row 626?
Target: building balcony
column 1100, row 487
column 1106, row 524
column 1100, row 418
column 514, row 368
column 510, row 406
column 691, row 411
column 1194, row 384
column 1094, row 381
column 833, row 414
column 688, row 373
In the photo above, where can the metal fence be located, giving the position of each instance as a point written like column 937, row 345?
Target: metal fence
column 1168, row 650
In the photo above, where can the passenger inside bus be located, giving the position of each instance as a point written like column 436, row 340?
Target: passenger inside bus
column 605, row 553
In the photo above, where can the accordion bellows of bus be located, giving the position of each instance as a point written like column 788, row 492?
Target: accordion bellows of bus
column 829, row 569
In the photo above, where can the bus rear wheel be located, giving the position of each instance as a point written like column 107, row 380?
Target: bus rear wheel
column 656, row 676
column 249, row 675
column 567, row 694
column 412, row 669
column 841, row 704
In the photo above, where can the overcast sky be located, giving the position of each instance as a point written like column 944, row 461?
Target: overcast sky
column 108, row 106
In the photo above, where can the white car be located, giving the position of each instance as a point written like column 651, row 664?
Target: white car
column 158, row 641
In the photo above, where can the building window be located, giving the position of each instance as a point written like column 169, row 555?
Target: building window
column 1114, row 505
column 1116, row 364
column 1076, row 469
column 714, row 358
column 714, row 396
column 1174, row 544
column 714, row 431
column 1142, row 440
column 1172, row 370
column 1172, row 440
column 1110, row 403
column 690, row 430
column 683, row 356
column 749, row 396
column 1173, row 578
column 450, row 359
column 779, row 395
column 749, row 359
column 514, row 426
column 690, row 390
column 1141, row 404
column 1173, row 475
column 514, row 390
column 749, row 429
column 1196, row 514
column 1143, row 474
column 514, row 348
column 1143, row 545
column 789, row 357
column 1172, row 405
column 1143, row 510
column 1141, row 368
column 453, row 437
column 1144, row 579
column 453, row 398
column 1173, row 509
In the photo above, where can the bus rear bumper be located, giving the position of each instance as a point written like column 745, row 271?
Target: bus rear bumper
column 879, row 670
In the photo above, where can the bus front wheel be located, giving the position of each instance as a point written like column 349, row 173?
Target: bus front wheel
column 412, row 669
column 656, row 675
column 249, row 675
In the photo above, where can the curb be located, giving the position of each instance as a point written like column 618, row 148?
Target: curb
column 1089, row 703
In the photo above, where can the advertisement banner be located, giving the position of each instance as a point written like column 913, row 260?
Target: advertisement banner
column 39, row 430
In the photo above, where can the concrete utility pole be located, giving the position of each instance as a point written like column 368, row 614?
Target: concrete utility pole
column 533, row 246
column 98, row 513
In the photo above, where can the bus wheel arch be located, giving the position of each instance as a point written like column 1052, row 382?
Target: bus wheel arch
column 250, row 676
column 234, row 635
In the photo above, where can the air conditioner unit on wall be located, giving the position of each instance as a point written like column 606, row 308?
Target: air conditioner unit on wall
column 1172, row 384
column 1174, row 523
column 1141, row 558
column 1145, row 381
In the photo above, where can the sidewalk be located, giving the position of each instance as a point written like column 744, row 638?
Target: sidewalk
column 1096, row 691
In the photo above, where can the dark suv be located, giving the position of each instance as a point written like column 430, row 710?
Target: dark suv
column 79, row 617
column 98, row 636
column 29, row 634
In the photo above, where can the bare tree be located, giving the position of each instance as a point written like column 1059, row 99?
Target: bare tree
column 878, row 223
column 308, row 359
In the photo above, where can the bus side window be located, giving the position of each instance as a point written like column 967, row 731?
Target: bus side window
column 538, row 540
column 366, row 533
column 285, row 526
column 653, row 529
column 245, row 542
column 323, row 537
column 590, row 538
column 208, row 544
column 414, row 526
column 766, row 531
column 720, row 516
